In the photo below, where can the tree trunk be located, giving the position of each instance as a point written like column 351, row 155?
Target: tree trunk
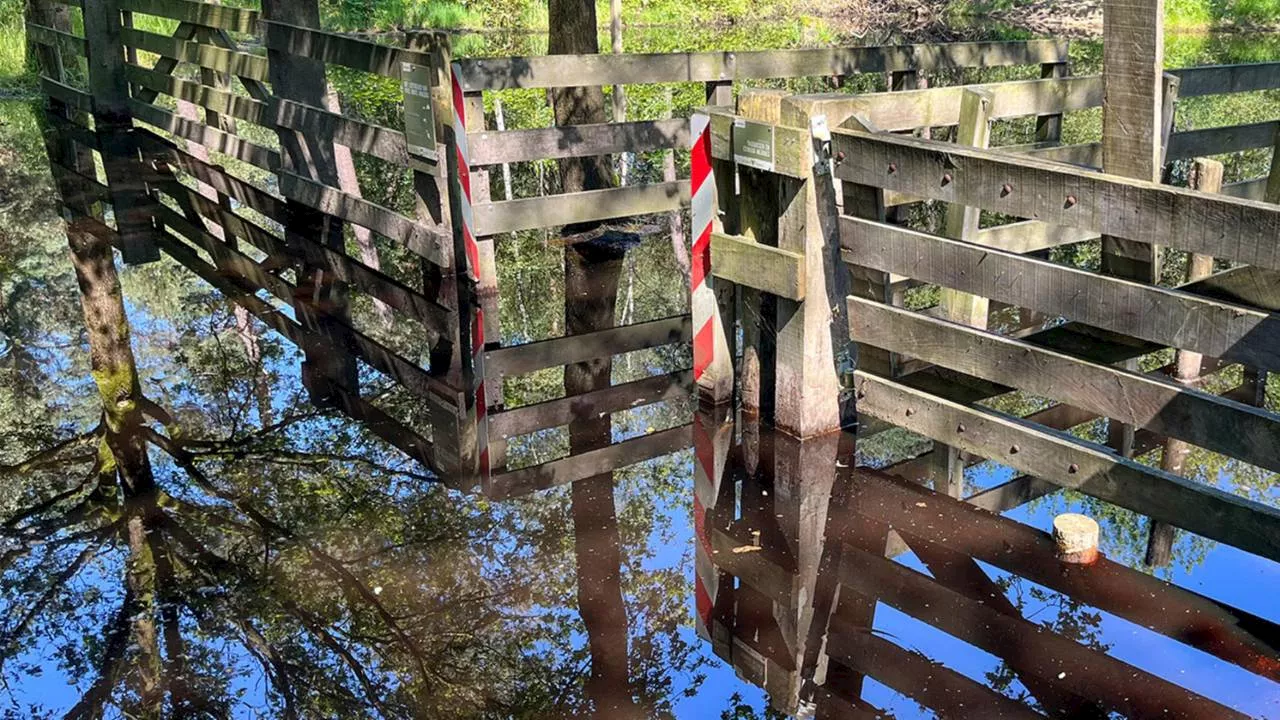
column 592, row 270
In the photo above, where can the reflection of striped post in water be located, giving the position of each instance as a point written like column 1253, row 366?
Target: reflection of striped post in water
column 711, row 440
column 710, row 347
column 473, row 271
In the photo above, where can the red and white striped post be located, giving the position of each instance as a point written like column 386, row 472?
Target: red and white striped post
column 472, row 250
column 712, row 367
column 711, row 439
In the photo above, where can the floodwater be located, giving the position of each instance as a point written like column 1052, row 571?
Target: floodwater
column 276, row 560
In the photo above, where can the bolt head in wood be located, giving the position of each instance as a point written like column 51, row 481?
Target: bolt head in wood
column 1006, row 190
column 840, row 156
column 1071, row 202
column 1014, row 450
column 893, row 168
column 911, row 411
column 1076, row 538
column 946, row 178
column 960, row 427
column 1073, row 468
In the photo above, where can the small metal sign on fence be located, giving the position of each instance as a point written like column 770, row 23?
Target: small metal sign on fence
column 419, row 119
column 753, row 144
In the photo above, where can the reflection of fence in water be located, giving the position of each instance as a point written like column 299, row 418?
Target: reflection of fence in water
column 794, row 551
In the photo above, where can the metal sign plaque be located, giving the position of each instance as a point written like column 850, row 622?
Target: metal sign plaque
column 753, row 144
column 419, row 119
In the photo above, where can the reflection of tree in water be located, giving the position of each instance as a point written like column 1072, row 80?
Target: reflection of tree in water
column 188, row 560
column 1056, row 612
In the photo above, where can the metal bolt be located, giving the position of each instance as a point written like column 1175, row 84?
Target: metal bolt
column 1071, row 202
column 840, row 156
column 1013, row 450
column 960, row 427
column 862, row 394
column 1073, row 468
column 911, row 411
column 893, row 168
column 1006, row 190
column 946, row 178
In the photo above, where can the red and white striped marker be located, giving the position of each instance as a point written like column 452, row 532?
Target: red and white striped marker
column 473, row 271
column 711, row 441
column 703, row 300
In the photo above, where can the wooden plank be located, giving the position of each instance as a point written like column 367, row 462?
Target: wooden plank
column 376, row 140
column 212, row 138
column 64, row 42
column 582, row 70
column 962, row 221
column 1221, row 140
column 1247, row 285
column 202, row 54
column 534, row 356
column 492, row 148
column 209, row 98
column 1132, row 120
column 556, row 210
column 199, row 13
column 1028, row 236
column 561, row 411
column 1072, row 463
column 374, row 282
column 225, row 183
column 73, row 97
column 1161, row 315
column 425, row 241
column 524, row 481
column 1242, row 230
column 933, row 107
column 340, row 49
column 1220, row 79
column 1162, row 406
column 743, row 261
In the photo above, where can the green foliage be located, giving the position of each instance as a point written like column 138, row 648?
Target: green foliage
column 14, row 69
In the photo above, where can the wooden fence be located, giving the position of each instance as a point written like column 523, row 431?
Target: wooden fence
column 221, row 148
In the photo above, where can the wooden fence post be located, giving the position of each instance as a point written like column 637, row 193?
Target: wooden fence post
column 113, row 123
column 321, row 300
column 962, row 223
column 813, row 333
column 1206, row 177
column 1133, row 72
column 1049, row 127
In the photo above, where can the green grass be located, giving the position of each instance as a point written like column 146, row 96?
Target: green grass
column 13, row 47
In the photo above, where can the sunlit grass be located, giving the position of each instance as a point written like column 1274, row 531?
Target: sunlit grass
column 13, row 55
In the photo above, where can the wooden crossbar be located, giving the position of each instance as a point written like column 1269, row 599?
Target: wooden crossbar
column 1174, row 410
column 556, row 210
column 1242, row 230
column 1069, row 462
column 198, row 13
column 581, row 70
column 534, row 356
column 202, row 54
column 1161, row 315
column 340, row 49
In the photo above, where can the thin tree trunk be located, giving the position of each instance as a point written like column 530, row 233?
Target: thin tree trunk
column 349, row 183
column 592, row 270
column 619, row 93
column 679, row 250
